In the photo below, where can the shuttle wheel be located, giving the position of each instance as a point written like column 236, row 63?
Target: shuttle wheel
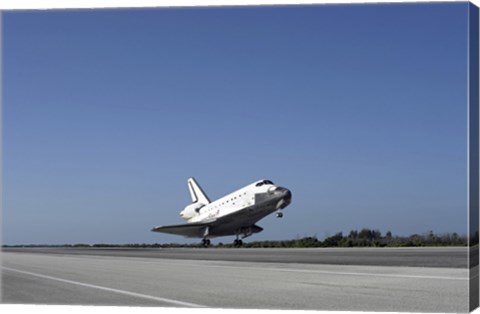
column 206, row 242
column 238, row 242
column 279, row 214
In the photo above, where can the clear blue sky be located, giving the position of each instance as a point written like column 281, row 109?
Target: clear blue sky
column 360, row 110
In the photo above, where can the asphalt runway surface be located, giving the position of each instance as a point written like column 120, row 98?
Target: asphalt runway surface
column 418, row 257
column 263, row 279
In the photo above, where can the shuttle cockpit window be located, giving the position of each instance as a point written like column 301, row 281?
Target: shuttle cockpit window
column 264, row 182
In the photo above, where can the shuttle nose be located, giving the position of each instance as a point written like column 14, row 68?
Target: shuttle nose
column 286, row 194
column 285, row 197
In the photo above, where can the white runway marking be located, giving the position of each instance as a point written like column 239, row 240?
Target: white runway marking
column 327, row 272
column 133, row 294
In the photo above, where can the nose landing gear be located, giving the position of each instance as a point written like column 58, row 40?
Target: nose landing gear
column 279, row 214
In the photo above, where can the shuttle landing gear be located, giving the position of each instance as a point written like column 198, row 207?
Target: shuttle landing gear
column 279, row 214
column 206, row 242
column 237, row 243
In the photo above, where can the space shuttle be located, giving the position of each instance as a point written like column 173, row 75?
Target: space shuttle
column 234, row 214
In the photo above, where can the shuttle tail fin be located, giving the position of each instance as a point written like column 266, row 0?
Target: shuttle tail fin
column 197, row 193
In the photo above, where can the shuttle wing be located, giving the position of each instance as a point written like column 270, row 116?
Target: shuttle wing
column 190, row 230
column 198, row 229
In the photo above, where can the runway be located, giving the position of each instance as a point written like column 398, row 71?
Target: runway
column 113, row 277
column 416, row 257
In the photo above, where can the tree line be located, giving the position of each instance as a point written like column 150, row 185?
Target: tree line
column 363, row 238
column 368, row 238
